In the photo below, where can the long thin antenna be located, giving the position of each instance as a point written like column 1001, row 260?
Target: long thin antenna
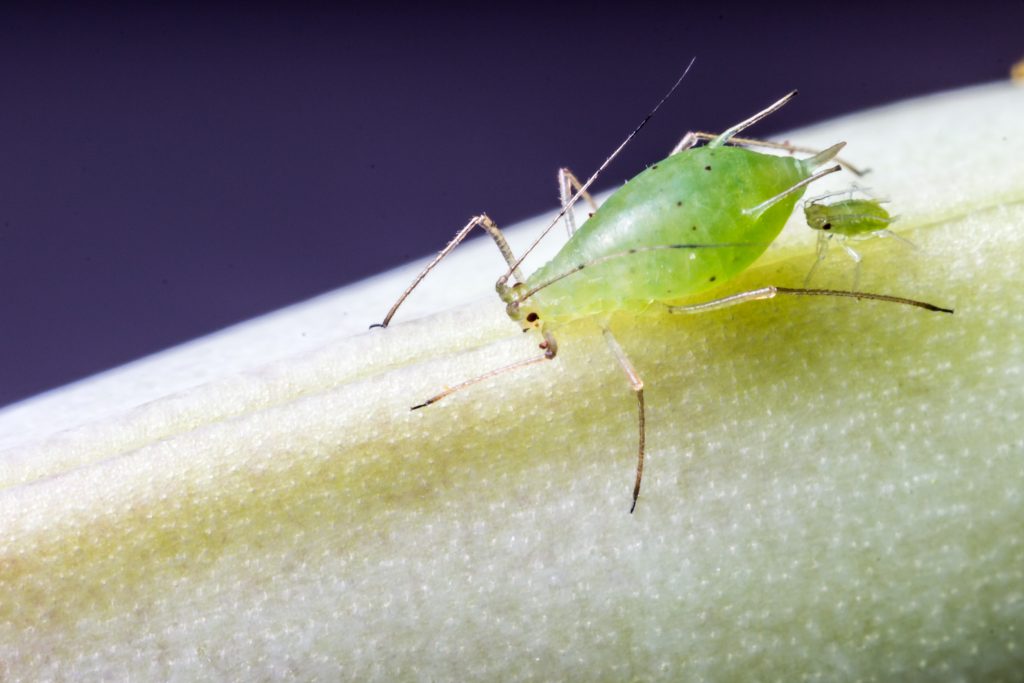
column 579, row 193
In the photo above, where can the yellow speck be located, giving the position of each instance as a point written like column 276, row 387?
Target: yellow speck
column 1017, row 72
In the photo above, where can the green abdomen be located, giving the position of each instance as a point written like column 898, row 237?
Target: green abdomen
column 691, row 202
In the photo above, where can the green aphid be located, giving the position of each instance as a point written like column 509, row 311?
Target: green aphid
column 688, row 223
column 847, row 219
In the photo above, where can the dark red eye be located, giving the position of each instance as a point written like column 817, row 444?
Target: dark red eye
column 827, row 226
column 532, row 318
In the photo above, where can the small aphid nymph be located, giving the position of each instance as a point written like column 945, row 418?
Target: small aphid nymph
column 853, row 218
column 694, row 220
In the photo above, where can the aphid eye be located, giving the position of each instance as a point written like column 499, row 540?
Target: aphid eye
column 826, row 226
column 532, row 318
column 707, row 168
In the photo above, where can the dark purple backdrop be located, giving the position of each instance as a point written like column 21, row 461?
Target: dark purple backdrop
column 165, row 173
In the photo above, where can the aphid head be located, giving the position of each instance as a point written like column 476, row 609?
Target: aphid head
column 522, row 311
column 524, row 314
column 817, row 216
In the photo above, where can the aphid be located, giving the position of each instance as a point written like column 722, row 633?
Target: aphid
column 847, row 219
column 687, row 223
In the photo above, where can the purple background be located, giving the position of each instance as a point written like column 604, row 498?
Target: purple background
column 165, row 173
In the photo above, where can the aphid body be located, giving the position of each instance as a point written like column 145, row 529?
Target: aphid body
column 848, row 219
column 685, row 224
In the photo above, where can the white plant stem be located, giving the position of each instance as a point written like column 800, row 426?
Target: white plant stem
column 834, row 489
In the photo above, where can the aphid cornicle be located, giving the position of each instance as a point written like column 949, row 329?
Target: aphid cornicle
column 687, row 223
column 854, row 218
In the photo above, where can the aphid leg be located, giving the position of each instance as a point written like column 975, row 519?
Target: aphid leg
column 484, row 221
column 549, row 345
column 567, row 182
column 835, row 193
column 638, row 386
column 823, row 240
column 693, row 137
column 768, row 203
column 855, row 255
column 771, row 292
column 889, row 233
column 747, row 123
column 689, row 140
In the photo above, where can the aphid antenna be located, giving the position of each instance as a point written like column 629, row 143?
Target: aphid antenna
column 865, row 296
column 631, row 252
column 768, row 203
column 854, row 187
column 583, row 188
column 771, row 292
column 746, row 123
column 838, row 193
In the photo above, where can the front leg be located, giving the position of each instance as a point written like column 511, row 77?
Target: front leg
column 490, row 227
column 567, row 182
column 855, row 255
column 637, row 384
column 822, row 254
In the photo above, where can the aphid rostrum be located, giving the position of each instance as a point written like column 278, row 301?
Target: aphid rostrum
column 854, row 218
column 687, row 223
